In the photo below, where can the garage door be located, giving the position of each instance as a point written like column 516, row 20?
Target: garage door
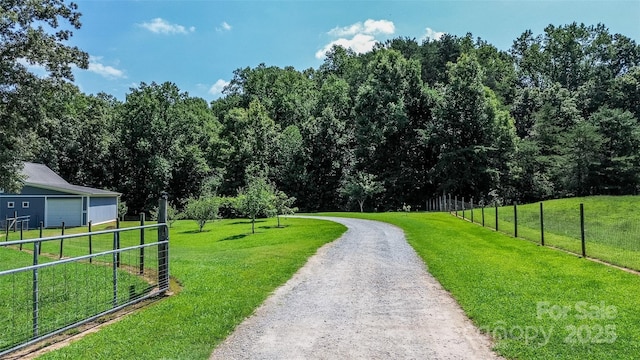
column 67, row 210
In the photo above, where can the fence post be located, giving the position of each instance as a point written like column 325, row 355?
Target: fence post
column 116, row 262
column 21, row 233
column 496, row 217
column 141, row 262
column 40, row 247
column 515, row 219
column 6, row 225
column 90, row 243
column 455, row 204
column 472, row 210
column 541, row 224
column 61, row 240
column 15, row 221
column 34, row 293
column 584, row 250
column 163, row 246
column 116, row 238
column 463, row 208
column 114, row 269
column 483, row 215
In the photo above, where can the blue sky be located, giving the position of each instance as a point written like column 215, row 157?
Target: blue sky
column 197, row 44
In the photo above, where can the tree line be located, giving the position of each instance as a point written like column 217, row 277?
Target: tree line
column 556, row 115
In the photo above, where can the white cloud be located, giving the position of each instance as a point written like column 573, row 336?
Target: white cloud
column 347, row 30
column 107, row 71
column 431, row 34
column 217, row 88
column 360, row 43
column 379, row 27
column 161, row 26
column 224, row 27
column 369, row 27
column 359, row 37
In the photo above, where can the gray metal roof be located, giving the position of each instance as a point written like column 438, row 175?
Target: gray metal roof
column 39, row 175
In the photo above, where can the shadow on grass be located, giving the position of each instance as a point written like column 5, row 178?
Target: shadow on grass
column 234, row 237
column 196, row 231
column 273, row 227
column 246, row 222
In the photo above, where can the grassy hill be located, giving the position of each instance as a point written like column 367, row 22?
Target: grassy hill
column 612, row 226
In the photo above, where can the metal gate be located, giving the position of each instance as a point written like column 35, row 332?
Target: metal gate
column 102, row 272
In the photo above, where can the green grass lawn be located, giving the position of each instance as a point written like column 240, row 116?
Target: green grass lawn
column 612, row 226
column 225, row 273
column 537, row 303
column 69, row 292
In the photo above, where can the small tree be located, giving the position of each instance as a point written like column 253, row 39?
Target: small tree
column 283, row 204
column 360, row 187
column 202, row 210
column 122, row 209
column 256, row 199
column 172, row 214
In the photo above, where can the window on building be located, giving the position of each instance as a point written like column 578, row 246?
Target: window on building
column 11, row 204
column 25, row 204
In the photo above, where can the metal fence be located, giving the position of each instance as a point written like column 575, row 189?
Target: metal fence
column 44, row 294
column 16, row 222
column 600, row 234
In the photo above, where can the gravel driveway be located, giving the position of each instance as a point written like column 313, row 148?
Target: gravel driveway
column 366, row 295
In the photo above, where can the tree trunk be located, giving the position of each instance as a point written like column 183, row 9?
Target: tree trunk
column 253, row 225
column 361, row 202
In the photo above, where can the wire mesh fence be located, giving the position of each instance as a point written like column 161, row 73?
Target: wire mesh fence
column 607, row 233
column 52, row 284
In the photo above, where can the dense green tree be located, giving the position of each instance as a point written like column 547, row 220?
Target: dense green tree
column 286, row 94
column 390, row 108
column 498, row 72
column 618, row 155
column 558, row 115
column 24, row 42
column 328, row 140
column 166, row 140
column 466, row 128
column 625, row 92
column 343, row 64
column 75, row 136
column 555, row 120
column 573, row 56
column 251, row 138
column 583, row 145
column 289, row 163
column 436, row 54
column 523, row 108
